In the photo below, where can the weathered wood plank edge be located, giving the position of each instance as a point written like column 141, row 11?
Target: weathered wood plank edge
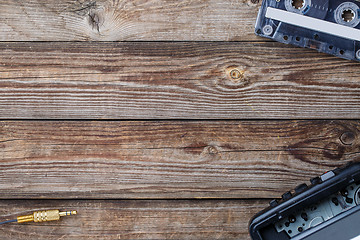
column 81, row 80
column 172, row 120
column 169, row 159
column 139, row 219
column 259, row 40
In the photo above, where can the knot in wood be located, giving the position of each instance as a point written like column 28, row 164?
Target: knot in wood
column 212, row 150
column 95, row 19
column 347, row 138
column 235, row 74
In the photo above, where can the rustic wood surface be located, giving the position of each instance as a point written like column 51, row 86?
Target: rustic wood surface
column 141, row 219
column 128, row 20
column 195, row 80
column 195, row 122
column 168, row 159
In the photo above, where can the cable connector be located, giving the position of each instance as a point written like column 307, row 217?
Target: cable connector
column 44, row 216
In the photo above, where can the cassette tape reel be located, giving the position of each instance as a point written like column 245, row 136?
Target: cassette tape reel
column 329, row 26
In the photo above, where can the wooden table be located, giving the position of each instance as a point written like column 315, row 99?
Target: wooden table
column 160, row 119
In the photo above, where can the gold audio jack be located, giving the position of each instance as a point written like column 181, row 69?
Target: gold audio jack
column 41, row 216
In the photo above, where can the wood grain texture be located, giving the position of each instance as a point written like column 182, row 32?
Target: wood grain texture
column 171, row 159
column 130, row 20
column 114, row 219
column 174, row 81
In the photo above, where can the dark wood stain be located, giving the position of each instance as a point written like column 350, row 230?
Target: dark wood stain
column 195, row 148
column 334, row 151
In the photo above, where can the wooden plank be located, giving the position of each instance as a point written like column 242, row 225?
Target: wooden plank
column 107, row 20
column 117, row 219
column 168, row 159
column 174, row 81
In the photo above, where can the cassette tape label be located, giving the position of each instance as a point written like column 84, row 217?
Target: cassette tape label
column 313, row 23
column 330, row 26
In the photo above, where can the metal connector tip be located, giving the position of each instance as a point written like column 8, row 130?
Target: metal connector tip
column 68, row 213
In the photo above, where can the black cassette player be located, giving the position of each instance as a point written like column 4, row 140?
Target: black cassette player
column 327, row 209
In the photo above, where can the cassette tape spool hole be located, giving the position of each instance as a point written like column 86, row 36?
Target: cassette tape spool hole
column 347, row 14
column 297, row 6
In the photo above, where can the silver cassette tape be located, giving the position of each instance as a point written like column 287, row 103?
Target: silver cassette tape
column 329, row 26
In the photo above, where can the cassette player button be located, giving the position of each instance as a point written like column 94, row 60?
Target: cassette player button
column 286, row 196
column 327, row 176
column 300, row 188
column 315, row 180
column 274, row 203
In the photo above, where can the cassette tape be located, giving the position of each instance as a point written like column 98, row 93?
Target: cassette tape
column 329, row 26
